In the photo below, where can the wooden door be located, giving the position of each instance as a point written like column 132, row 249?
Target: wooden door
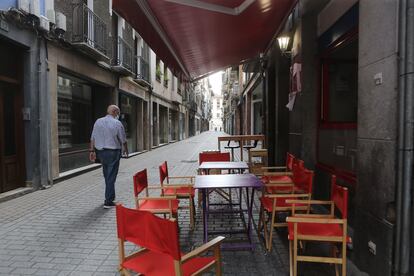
column 11, row 142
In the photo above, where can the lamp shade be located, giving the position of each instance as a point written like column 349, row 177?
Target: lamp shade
column 283, row 42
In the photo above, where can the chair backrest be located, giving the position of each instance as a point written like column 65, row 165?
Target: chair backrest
column 140, row 182
column 303, row 178
column 290, row 158
column 147, row 230
column 163, row 172
column 339, row 195
column 213, row 157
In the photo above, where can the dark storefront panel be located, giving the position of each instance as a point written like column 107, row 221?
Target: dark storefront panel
column 75, row 121
column 128, row 117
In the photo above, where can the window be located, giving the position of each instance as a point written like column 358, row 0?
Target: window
column 340, row 85
column 218, row 104
column 75, row 121
column 158, row 72
column 173, row 83
column 218, row 115
column 166, row 76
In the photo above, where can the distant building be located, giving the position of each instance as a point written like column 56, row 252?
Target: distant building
column 216, row 122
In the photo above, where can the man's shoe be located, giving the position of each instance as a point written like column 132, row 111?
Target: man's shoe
column 108, row 205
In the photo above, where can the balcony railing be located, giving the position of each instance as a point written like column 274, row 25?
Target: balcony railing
column 89, row 29
column 142, row 69
column 123, row 56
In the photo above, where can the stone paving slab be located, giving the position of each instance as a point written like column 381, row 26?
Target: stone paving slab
column 64, row 230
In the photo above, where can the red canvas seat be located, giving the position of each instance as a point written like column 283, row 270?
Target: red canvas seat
column 157, row 205
column 267, row 203
column 181, row 190
column 284, row 182
column 160, row 251
column 320, row 228
column 164, row 265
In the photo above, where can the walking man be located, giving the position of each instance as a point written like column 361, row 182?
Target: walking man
column 107, row 140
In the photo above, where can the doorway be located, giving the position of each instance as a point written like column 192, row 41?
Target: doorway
column 11, row 134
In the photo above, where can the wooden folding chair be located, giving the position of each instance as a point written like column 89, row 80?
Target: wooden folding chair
column 157, row 205
column 281, row 171
column 160, row 254
column 284, row 182
column 272, row 204
column 257, row 161
column 181, row 190
column 320, row 228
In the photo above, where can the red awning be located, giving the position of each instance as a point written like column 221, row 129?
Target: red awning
column 200, row 36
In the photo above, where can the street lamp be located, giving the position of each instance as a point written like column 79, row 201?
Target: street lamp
column 283, row 41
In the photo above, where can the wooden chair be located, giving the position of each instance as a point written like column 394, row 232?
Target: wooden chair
column 159, row 253
column 214, row 157
column 255, row 166
column 273, row 204
column 281, row 170
column 284, row 182
column 157, row 205
column 181, row 190
column 320, row 228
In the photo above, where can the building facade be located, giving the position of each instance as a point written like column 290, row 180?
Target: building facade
column 63, row 63
column 216, row 122
column 335, row 98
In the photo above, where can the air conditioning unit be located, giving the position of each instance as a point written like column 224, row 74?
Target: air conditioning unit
column 35, row 7
column 51, row 15
column 44, row 23
column 24, row 5
column 60, row 21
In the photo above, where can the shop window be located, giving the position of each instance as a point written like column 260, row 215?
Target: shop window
column 128, row 118
column 340, row 85
column 75, row 121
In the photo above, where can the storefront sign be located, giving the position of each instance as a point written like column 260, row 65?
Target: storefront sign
column 130, row 86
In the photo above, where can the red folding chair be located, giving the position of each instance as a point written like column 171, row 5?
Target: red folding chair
column 278, row 183
column 281, row 170
column 160, row 254
column 157, row 205
column 214, row 157
column 182, row 190
column 272, row 204
column 320, row 228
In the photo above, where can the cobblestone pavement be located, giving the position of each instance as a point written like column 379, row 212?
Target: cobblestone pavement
column 64, row 230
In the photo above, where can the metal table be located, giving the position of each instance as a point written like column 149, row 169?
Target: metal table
column 232, row 181
column 207, row 166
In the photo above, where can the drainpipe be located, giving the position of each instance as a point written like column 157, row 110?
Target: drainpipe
column 405, row 139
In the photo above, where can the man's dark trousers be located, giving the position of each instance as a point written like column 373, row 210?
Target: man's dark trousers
column 110, row 165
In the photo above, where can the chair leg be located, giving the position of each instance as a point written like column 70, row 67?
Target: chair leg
column 217, row 255
column 290, row 258
column 272, row 227
column 295, row 255
column 259, row 226
column 265, row 231
column 191, row 199
column 343, row 259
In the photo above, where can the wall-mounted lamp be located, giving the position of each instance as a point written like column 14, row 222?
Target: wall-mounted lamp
column 283, row 41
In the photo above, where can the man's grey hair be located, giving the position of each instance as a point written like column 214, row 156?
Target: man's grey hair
column 112, row 109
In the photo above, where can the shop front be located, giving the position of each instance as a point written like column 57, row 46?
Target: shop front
column 134, row 115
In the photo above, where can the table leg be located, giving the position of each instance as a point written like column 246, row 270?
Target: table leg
column 250, row 208
column 241, row 149
column 205, row 214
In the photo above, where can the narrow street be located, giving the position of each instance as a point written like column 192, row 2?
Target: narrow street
column 64, row 230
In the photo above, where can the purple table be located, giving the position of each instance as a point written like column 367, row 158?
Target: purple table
column 220, row 181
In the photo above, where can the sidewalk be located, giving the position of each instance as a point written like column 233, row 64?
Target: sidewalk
column 64, row 230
